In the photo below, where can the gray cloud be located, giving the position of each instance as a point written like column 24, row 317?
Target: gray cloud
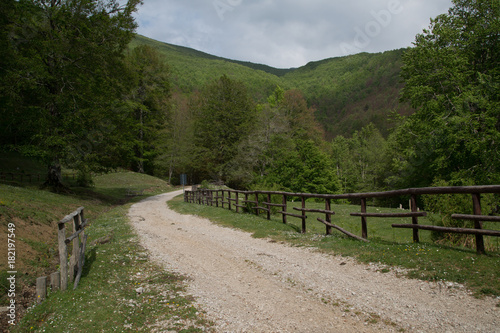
column 287, row 33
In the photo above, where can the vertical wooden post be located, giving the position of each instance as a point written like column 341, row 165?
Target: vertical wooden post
column 246, row 200
column 55, row 281
column 41, row 289
column 364, row 228
column 217, row 198
column 414, row 219
column 222, row 197
column 303, row 199
column 73, row 262
column 257, row 203
column 268, row 206
column 229, row 199
column 63, row 256
column 328, row 216
column 476, row 201
column 284, row 208
column 237, row 202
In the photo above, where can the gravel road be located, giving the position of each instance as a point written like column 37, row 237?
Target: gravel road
column 256, row 285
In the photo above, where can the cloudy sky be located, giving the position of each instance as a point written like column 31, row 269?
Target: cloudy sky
column 287, row 33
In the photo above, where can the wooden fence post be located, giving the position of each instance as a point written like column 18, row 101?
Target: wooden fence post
column 364, row 228
column 268, row 206
column 41, row 288
column 237, row 203
column 303, row 199
column 257, row 203
column 73, row 262
column 328, row 216
column 55, row 281
column 63, row 256
column 476, row 201
column 284, row 208
column 229, row 199
column 414, row 219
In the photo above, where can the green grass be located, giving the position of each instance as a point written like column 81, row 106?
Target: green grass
column 388, row 246
column 107, row 300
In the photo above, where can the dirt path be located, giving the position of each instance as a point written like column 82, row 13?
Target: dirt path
column 254, row 285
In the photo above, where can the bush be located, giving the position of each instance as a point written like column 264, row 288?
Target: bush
column 445, row 205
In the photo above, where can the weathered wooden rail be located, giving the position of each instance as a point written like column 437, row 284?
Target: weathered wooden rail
column 73, row 269
column 225, row 198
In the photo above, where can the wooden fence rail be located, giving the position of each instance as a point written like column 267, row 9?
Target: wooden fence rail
column 224, row 197
column 74, row 269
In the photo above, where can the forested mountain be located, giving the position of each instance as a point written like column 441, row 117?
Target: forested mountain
column 347, row 92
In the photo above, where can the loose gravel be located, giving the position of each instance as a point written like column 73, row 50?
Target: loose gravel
column 257, row 285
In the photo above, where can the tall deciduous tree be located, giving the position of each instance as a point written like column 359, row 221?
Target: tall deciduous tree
column 67, row 76
column 452, row 78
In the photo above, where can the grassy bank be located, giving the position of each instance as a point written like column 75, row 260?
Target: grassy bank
column 107, row 298
column 388, row 247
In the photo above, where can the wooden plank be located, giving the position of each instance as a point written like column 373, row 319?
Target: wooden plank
column 484, row 218
column 412, row 214
column 343, row 230
column 69, row 218
column 273, row 204
column 469, row 231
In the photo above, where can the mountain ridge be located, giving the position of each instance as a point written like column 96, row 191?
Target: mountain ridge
column 347, row 92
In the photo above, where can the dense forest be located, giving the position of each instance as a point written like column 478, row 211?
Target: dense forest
column 79, row 90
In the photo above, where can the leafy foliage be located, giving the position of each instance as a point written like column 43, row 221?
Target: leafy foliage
column 452, row 78
column 65, row 76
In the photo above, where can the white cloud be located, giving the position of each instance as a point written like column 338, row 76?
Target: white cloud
column 287, row 33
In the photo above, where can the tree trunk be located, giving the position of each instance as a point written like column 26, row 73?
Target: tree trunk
column 54, row 177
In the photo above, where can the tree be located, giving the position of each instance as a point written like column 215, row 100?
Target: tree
column 148, row 103
column 223, row 118
column 66, row 77
column 452, row 79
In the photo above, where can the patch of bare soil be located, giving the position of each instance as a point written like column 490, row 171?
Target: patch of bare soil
column 254, row 285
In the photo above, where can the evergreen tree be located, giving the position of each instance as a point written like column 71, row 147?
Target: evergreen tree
column 66, row 77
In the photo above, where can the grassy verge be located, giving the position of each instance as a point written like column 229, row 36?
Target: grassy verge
column 388, row 247
column 106, row 299
column 121, row 290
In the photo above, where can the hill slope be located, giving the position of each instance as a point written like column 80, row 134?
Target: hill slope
column 347, row 92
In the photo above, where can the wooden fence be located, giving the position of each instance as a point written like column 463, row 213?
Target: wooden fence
column 59, row 280
column 251, row 201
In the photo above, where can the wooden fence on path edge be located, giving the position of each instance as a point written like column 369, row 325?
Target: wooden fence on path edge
column 59, row 280
column 224, row 197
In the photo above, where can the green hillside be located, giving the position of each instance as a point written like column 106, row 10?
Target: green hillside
column 347, row 92
column 191, row 69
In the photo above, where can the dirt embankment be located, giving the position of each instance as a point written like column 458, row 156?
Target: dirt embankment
column 255, row 285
